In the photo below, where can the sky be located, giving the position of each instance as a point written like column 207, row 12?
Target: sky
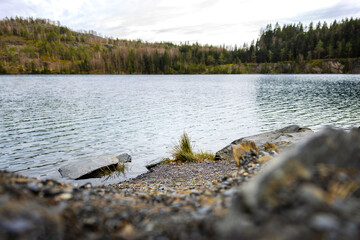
column 213, row 22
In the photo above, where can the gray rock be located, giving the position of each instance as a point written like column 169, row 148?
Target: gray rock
column 311, row 194
column 324, row 222
column 281, row 138
column 78, row 169
column 204, row 210
column 28, row 220
column 124, row 158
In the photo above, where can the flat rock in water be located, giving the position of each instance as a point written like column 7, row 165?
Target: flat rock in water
column 77, row 169
column 153, row 163
column 282, row 138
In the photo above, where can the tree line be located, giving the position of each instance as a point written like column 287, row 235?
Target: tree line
column 31, row 45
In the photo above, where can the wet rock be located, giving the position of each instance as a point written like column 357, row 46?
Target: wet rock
column 78, row 169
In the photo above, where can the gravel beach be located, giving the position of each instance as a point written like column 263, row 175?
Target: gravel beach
column 265, row 196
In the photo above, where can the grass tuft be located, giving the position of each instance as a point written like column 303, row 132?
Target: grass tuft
column 183, row 152
column 202, row 156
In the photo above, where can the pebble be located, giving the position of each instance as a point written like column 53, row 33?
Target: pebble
column 204, row 210
column 324, row 222
column 64, row 196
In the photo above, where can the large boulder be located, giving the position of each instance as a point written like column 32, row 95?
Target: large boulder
column 312, row 191
column 29, row 219
column 88, row 167
column 281, row 138
column 330, row 150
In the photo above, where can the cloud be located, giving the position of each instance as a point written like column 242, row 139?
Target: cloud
column 205, row 21
column 340, row 10
column 207, row 3
column 198, row 29
column 10, row 8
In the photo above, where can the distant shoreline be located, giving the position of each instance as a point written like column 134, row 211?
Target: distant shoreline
column 319, row 66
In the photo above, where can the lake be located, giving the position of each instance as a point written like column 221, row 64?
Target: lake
column 47, row 121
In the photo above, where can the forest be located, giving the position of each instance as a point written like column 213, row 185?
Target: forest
column 29, row 45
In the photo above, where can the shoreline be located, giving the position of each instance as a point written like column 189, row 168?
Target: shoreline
column 177, row 201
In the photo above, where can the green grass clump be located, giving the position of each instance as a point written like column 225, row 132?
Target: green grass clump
column 183, row 152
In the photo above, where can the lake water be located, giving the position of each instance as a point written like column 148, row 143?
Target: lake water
column 47, row 121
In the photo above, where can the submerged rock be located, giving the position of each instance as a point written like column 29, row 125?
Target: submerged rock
column 79, row 169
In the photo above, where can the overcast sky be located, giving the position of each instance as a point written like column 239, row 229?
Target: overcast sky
column 213, row 22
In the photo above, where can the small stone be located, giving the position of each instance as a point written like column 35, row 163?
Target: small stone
column 230, row 192
column 311, row 194
column 195, row 192
column 86, row 186
column 34, row 187
column 324, row 222
column 271, row 147
column 204, row 210
column 64, row 196
column 264, row 158
column 342, row 177
column 128, row 230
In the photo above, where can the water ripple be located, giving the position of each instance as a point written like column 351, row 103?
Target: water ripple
column 47, row 121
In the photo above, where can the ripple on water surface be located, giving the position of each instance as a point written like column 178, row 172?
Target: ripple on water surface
column 47, row 121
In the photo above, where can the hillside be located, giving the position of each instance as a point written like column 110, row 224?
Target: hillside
column 43, row 46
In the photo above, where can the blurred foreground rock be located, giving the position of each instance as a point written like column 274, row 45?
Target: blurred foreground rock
column 310, row 192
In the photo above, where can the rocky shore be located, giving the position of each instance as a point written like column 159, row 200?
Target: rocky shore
column 311, row 189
